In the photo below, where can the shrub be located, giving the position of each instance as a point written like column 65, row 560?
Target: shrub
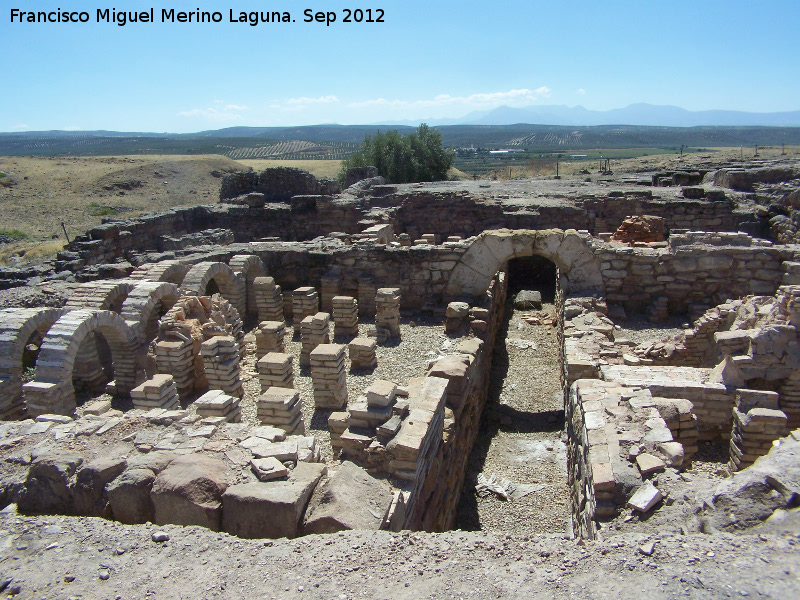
column 418, row 156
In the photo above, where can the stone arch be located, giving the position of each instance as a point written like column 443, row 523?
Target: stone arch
column 171, row 271
column 248, row 267
column 100, row 295
column 231, row 286
column 145, row 305
column 17, row 326
column 52, row 391
column 579, row 269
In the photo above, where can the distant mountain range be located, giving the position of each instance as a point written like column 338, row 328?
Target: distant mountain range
column 635, row 114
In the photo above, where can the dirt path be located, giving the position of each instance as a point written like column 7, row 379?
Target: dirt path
column 521, row 435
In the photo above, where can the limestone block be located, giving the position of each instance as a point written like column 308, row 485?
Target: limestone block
column 351, row 499
column 270, row 510
column 129, row 496
column 189, row 492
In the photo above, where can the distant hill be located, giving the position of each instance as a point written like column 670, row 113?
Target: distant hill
column 339, row 141
column 635, row 114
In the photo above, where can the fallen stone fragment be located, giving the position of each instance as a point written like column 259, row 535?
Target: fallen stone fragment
column 645, row 498
column 649, row 464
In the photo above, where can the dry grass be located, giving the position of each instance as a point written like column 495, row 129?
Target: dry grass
column 318, row 168
column 80, row 191
column 27, row 251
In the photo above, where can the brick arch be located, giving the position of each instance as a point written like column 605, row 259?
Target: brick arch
column 231, row 285
column 579, row 269
column 248, row 267
column 171, row 271
column 144, row 305
column 17, row 325
column 52, row 391
column 100, row 295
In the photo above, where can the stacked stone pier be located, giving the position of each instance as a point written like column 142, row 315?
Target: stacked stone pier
column 268, row 298
column 387, row 315
column 345, row 315
column 158, row 392
column 314, row 330
column 305, row 303
column 221, row 364
column 215, row 406
column 281, row 407
column 275, row 370
column 757, row 423
column 177, row 358
column 329, row 376
column 362, row 354
column 270, row 337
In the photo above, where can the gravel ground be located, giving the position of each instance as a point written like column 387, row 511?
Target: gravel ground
column 421, row 339
column 59, row 558
column 521, row 434
column 639, row 329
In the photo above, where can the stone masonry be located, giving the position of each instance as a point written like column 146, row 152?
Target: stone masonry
column 281, row 407
column 314, row 330
column 387, row 315
column 221, row 363
column 362, row 353
column 158, row 392
column 329, row 376
column 269, row 299
column 305, row 303
column 275, row 370
column 270, row 337
column 345, row 315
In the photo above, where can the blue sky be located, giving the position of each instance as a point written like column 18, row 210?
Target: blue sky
column 429, row 60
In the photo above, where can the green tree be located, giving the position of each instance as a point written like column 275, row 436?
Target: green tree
column 418, row 156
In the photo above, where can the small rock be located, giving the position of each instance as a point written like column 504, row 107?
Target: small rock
column 647, row 549
column 104, row 575
column 645, row 498
column 160, row 536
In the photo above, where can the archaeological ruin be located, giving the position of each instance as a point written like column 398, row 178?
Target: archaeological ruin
column 299, row 359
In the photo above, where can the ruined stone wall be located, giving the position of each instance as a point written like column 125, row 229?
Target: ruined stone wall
column 313, row 214
column 421, row 272
column 705, row 269
column 309, row 217
column 608, row 212
column 435, row 508
column 278, row 184
column 460, row 214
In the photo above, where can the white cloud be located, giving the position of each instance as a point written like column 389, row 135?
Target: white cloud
column 235, row 107
column 581, row 91
column 20, row 127
column 303, row 100
column 520, row 97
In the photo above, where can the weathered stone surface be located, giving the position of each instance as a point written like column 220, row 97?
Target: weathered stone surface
column 189, row 492
column 48, row 485
column 352, row 499
column 270, row 510
column 129, row 496
column 91, row 480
